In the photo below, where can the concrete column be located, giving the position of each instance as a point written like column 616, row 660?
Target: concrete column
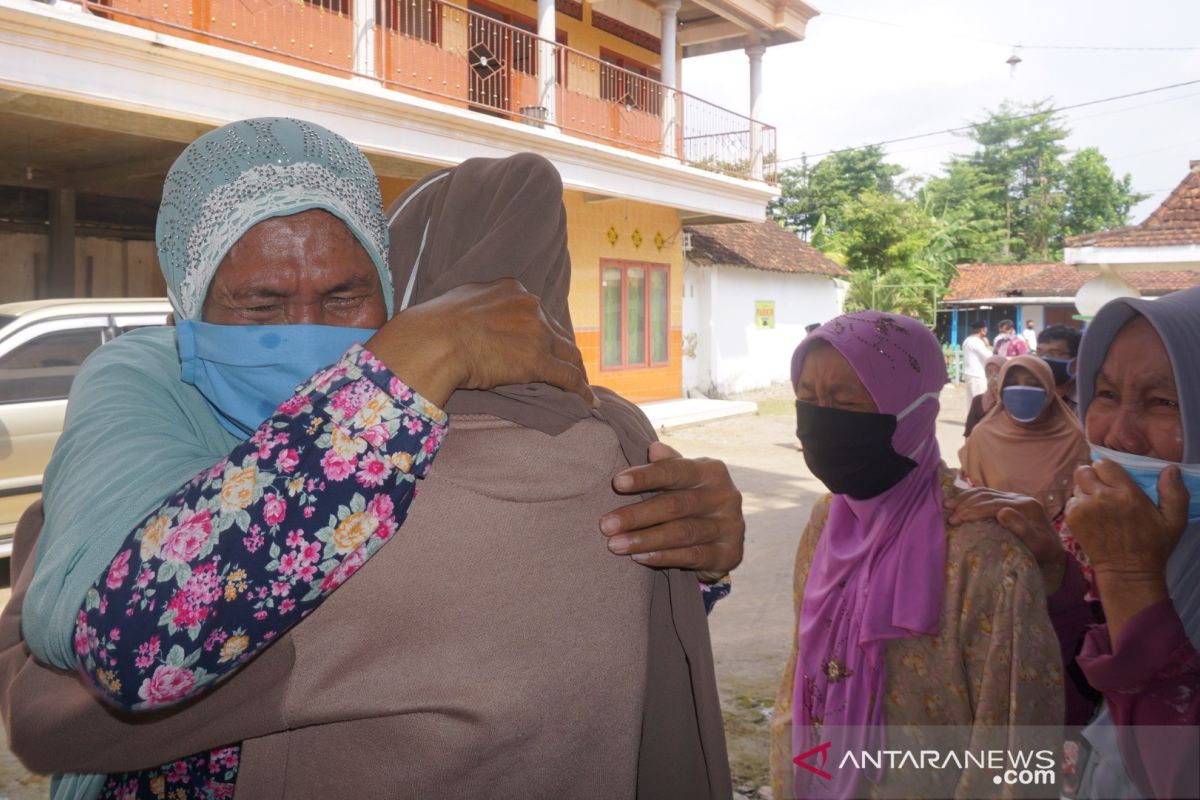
column 364, row 37
column 669, row 9
column 547, row 61
column 60, row 277
column 755, row 52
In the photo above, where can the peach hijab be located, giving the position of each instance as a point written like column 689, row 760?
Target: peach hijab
column 1035, row 458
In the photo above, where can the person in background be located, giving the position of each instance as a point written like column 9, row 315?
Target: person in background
column 983, row 403
column 976, row 352
column 1135, row 521
column 1029, row 442
column 1009, row 343
column 1058, row 346
column 902, row 620
column 1030, row 335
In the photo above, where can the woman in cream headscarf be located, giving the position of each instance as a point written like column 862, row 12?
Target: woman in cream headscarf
column 1030, row 442
column 175, row 548
column 981, row 404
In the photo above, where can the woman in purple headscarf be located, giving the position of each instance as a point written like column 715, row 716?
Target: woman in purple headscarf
column 911, row 635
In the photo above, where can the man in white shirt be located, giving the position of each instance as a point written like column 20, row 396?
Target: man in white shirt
column 1031, row 337
column 975, row 352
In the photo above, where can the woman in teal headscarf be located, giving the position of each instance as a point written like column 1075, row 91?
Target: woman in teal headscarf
column 175, row 548
column 189, row 523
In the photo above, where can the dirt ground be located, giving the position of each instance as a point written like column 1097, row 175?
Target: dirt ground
column 751, row 629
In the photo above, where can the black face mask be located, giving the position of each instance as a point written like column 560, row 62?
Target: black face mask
column 850, row 451
column 1061, row 369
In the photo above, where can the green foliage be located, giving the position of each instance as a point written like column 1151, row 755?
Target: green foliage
column 881, row 232
column 809, row 192
column 1021, row 195
column 911, row 291
column 1016, row 197
column 1096, row 200
column 974, row 220
column 1019, row 153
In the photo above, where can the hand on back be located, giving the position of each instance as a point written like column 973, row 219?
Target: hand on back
column 480, row 336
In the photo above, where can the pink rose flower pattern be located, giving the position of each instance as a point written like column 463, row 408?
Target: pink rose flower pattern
column 236, row 568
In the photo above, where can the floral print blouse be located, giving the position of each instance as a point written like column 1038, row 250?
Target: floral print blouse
column 249, row 547
column 234, row 558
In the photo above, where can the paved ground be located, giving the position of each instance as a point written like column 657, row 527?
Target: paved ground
column 751, row 629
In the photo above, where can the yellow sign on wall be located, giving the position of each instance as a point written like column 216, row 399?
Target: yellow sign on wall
column 764, row 314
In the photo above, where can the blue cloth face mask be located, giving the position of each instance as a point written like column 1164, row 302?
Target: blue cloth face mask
column 246, row 371
column 1061, row 367
column 1144, row 471
column 1023, row 403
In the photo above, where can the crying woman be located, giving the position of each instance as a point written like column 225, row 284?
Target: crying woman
column 907, row 629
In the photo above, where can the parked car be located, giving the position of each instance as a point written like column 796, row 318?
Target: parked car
column 42, row 345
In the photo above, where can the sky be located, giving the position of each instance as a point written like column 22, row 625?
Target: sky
column 871, row 70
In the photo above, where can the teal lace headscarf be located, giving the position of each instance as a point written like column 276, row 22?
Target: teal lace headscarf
column 238, row 175
column 134, row 430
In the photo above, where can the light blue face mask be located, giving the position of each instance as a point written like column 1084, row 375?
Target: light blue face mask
column 246, row 371
column 1145, row 470
column 1023, row 403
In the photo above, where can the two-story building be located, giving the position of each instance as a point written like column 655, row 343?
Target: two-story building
column 98, row 97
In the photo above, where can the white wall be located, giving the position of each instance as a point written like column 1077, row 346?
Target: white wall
column 731, row 355
column 1035, row 313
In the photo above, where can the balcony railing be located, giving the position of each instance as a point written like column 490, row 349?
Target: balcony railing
column 470, row 59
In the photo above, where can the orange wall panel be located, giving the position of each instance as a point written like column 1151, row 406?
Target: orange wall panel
column 639, row 384
column 582, row 36
column 628, row 231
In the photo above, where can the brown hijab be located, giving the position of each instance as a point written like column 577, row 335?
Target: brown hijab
column 481, row 221
column 992, row 395
column 488, row 219
column 1036, row 458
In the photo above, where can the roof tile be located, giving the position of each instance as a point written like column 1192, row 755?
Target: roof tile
column 1175, row 222
column 759, row 245
column 986, row 281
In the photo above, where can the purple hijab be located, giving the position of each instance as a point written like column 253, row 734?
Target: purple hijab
column 877, row 573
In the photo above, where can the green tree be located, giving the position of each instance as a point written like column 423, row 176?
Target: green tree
column 972, row 219
column 880, row 232
column 913, row 291
column 1018, row 154
column 809, row 191
column 1016, row 197
column 1096, row 200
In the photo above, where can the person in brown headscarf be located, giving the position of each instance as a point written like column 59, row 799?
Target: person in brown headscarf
column 981, row 404
column 1029, row 443
column 572, row 674
column 515, row 656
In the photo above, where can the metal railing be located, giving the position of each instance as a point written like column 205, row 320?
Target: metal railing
column 474, row 60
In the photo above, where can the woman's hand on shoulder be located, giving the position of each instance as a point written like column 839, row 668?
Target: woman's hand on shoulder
column 1022, row 516
column 694, row 522
column 480, row 336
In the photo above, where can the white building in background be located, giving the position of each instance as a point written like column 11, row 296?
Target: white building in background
column 749, row 290
column 1169, row 239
